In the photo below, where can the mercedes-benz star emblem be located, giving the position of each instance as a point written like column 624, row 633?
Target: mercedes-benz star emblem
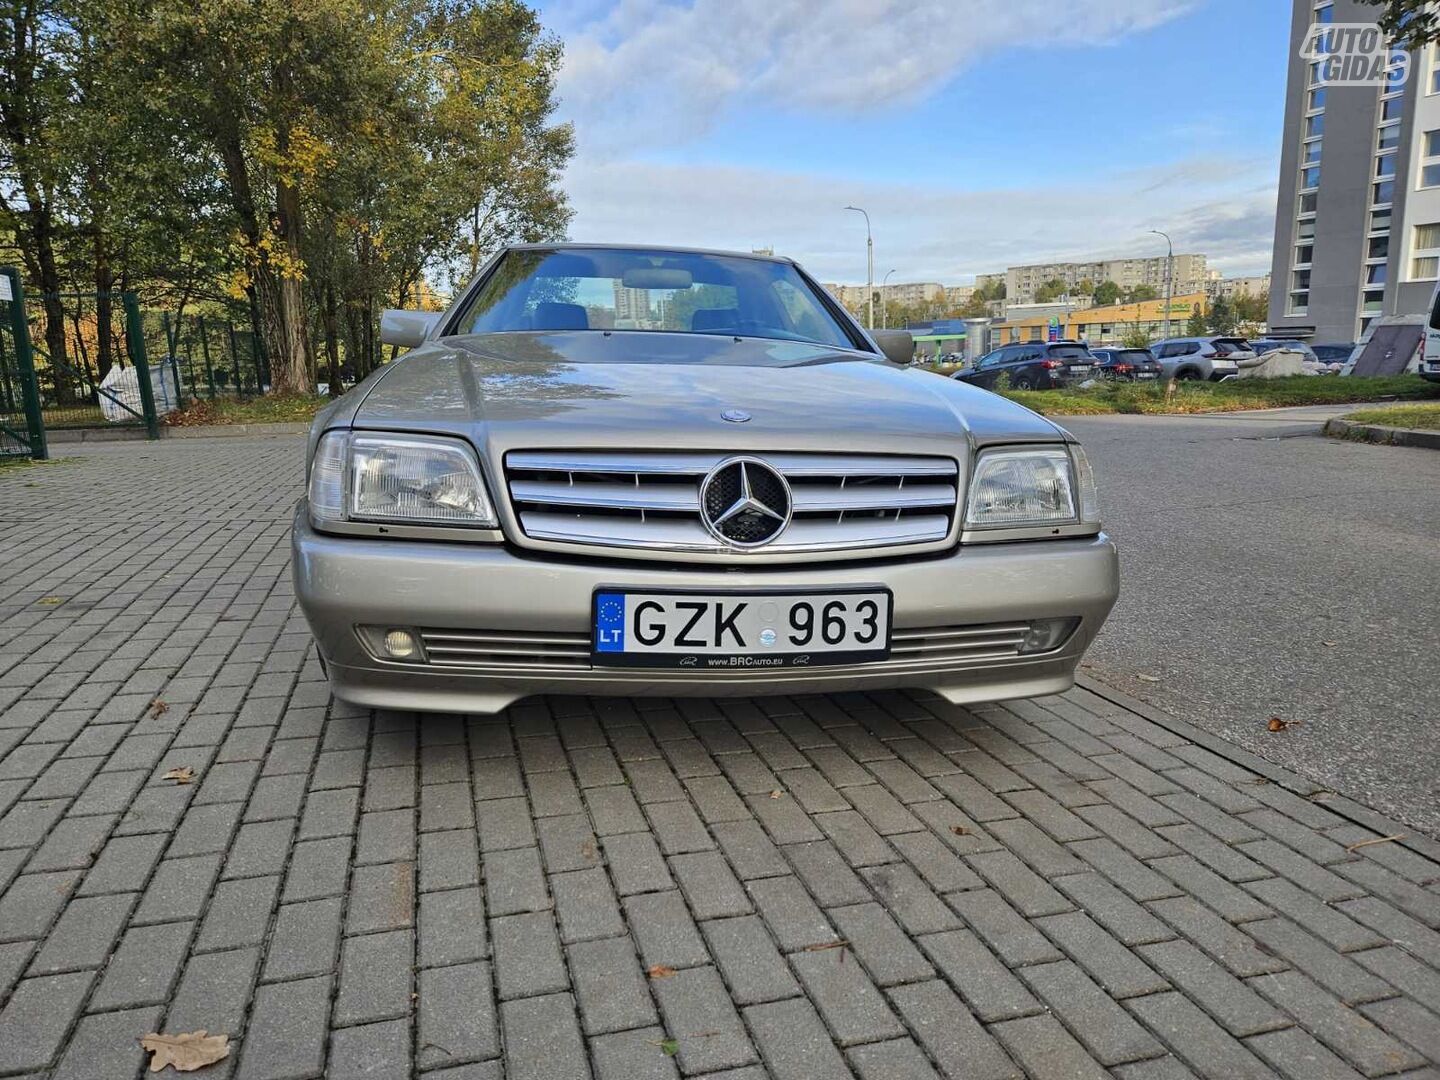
column 745, row 502
column 735, row 416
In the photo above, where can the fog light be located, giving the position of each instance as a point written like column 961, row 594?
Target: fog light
column 1047, row 634
column 401, row 645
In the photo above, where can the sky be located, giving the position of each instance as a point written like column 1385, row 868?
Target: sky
column 978, row 134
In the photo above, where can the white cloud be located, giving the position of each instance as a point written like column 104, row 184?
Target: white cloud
column 655, row 70
column 930, row 232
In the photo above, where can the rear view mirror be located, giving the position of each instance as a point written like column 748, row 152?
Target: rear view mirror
column 897, row 345
column 406, row 328
column 656, row 277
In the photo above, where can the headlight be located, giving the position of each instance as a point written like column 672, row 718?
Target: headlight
column 1020, row 488
column 399, row 479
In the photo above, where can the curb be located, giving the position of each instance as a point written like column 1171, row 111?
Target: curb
column 1389, row 436
column 1341, row 805
column 213, row 431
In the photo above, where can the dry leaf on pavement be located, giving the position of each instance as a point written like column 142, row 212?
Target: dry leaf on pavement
column 823, row 945
column 1148, row 678
column 959, row 830
column 777, row 794
column 1277, row 724
column 659, row 971
column 186, row 1052
column 158, row 708
column 182, row 775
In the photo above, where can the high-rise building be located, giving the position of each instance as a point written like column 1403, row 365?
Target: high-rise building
column 632, row 307
column 1357, row 228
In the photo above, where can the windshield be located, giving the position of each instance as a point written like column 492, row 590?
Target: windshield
column 676, row 292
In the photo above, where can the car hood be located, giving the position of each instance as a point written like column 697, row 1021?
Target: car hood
column 671, row 391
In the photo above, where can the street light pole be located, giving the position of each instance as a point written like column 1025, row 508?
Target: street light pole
column 1169, row 275
column 869, row 270
column 885, row 301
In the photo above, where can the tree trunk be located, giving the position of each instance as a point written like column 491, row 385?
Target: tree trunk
column 332, row 337
column 104, row 310
column 48, row 279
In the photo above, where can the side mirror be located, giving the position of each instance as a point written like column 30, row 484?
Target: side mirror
column 897, row 345
column 406, row 328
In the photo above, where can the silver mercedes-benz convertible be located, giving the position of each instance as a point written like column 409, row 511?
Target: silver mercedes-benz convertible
column 626, row 470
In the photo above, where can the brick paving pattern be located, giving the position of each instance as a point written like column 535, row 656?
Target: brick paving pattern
column 878, row 886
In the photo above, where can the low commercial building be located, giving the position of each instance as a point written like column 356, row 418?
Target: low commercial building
column 1108, row 325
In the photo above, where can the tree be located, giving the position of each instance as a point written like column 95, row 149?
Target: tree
column 1135, row 338
column 1252, row 307
column 1139, row 293
column 1220, row 319
column 1106, row 293
column 1049, row 291
column 1198, row 325
column 1410, row 24
column 977, row 307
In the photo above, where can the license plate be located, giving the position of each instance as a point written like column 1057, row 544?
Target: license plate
column 1145, row 375
column 1079, row 369
column 740, row 630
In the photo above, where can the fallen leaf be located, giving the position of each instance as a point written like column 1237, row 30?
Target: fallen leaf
column 50, row 601
column 959, row 830
column 777, row 794
column 1277, row 724
column 1148, row 678
column 1352, row 848
column 183, row 775
column 823, row 945
column 659, row 971
column 188, row 1052
column 158, row 708
column 1329, row 644
column 670, row 1047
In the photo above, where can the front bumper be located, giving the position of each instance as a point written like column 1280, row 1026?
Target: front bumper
column 343, row 582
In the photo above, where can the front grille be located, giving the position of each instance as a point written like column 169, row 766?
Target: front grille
column 499, row 650
column 652, row 500
column 505, row 649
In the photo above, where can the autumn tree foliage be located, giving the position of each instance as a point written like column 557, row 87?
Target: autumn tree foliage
column 307, row 162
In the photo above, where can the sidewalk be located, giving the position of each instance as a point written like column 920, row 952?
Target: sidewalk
column 880, row 886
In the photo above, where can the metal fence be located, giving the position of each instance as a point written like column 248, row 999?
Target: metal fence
column 210, row 357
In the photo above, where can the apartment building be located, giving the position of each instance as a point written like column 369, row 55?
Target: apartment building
column 1357, row 229
column 1021, row 282
column 1230, row 288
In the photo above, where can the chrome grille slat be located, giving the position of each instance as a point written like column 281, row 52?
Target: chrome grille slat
column 509, row 650
column 650, row 500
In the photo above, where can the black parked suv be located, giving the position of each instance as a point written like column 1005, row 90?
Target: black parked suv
column 1032, row 365
column 1127, row 365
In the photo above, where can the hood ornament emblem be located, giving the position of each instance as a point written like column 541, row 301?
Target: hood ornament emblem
column 735, row 416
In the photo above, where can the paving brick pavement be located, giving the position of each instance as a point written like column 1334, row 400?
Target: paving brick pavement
column 877, row 885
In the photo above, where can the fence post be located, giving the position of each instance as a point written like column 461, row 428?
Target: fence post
column 135, row 340
column 205, row 352
column 25, row 363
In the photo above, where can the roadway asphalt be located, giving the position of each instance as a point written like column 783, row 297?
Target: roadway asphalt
column 1270, row 571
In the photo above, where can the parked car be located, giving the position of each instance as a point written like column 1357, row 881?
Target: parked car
column 1333, row 353
column 1127, row 365
column 1032, row 365
column 1266, row 345
column 743, row 492
column 1210, row 358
